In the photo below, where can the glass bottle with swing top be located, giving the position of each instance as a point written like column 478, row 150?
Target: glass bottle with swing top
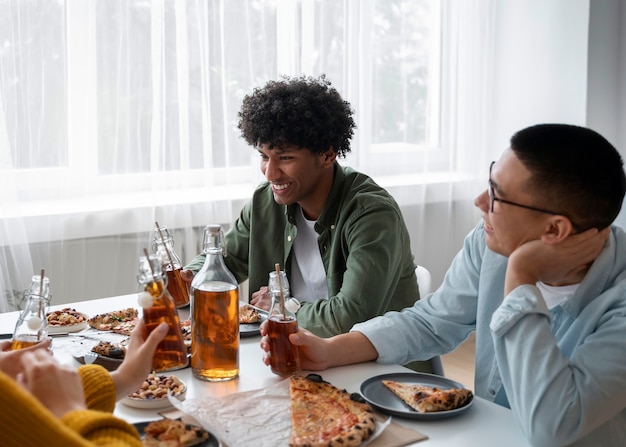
column 32, row 326
column 214, row 314
column 284, row 356
column 163, row 246
column 158, row 307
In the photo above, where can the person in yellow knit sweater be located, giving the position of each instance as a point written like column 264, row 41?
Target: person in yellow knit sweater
column 45, row 403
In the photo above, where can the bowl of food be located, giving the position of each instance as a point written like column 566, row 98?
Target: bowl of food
column 155, row 392
column 106, row 354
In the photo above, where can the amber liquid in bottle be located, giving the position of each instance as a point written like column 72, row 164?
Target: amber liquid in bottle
column 215, row 332
column 171, row 353
column 25, row 341
column 178, row 288
column 284, row 357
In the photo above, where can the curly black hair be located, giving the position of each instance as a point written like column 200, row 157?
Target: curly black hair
column 304, row 112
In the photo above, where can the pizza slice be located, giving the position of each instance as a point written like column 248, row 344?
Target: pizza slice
column 173, row 433
column 248, row 314
column 120, row 321
column 425, row 399
column 323, row 415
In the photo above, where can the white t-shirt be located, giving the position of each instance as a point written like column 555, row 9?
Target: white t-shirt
column 308, row 277
column 556, row 295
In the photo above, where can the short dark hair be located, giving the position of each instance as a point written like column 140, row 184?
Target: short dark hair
column 574, row 170
column 304, row 112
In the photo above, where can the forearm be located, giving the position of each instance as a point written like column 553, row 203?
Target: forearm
column 196, row 263
column 350, row 348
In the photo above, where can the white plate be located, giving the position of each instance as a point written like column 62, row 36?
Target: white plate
column 68, row 328
column 163, row 402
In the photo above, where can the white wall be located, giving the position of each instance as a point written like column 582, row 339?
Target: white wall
column 606, row 108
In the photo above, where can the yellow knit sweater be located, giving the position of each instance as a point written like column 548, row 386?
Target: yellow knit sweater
column 25, row 422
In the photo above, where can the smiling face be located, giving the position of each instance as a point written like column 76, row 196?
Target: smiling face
column 298, row 176
column 509, row 226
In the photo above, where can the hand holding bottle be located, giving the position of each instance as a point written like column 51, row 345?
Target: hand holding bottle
column 281, row 322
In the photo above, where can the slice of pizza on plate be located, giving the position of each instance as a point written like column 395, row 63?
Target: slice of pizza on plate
column 427, row 399
column 119, row 321
column 324, row 415
column 173, row 433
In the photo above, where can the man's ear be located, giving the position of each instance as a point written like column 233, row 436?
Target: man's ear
column 329, row 157
column 558, row 229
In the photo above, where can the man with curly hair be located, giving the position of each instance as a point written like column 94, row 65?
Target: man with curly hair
column 339, row 236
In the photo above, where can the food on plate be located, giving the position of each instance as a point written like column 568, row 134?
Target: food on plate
column 65, row 317
column 173, row 433
column 119, row 321
column 109, row 349
column 427, row 399
column 157, row 386
column 324, row 415
column 248, row 314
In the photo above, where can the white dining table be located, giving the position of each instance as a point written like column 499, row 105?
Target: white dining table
column 484, row 424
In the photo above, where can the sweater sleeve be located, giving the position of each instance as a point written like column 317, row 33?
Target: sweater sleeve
column 27, row 422
column 98, row 387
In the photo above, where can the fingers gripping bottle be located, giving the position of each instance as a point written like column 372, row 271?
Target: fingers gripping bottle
column 284, row 357
column 32, row 325
column 214, row 314
column 158, row 307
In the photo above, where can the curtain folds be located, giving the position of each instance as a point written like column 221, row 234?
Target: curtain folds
column 119, row 114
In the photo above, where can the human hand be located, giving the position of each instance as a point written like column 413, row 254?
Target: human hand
column 58, row 387
column 314, row 351
column 137, row 362
column 559, row 263
column 11, row 361
column 261, row 298
column 187, row 276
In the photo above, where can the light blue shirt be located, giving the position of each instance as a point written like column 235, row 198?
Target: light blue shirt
column 561, row 371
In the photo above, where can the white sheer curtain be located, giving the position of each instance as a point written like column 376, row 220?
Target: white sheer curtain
column 121, row 113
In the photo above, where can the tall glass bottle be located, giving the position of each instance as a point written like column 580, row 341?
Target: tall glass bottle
column 163, row 246
column 284, row 357
column 214, row 314
column 158, row 307
column 32, row 325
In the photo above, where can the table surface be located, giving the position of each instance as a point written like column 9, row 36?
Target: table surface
column 485, row 423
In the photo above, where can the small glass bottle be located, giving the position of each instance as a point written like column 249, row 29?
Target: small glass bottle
column 284, row 356
column 163, row 246
column 214, row 314
column 32, row 325
column 158, row 307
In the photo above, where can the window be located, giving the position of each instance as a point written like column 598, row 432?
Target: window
column 111, row 97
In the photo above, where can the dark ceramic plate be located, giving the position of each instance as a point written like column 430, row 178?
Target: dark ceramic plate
column 211, row 442
column 384, row 400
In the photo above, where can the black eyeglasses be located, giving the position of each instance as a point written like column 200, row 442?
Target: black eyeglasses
column 493, row 198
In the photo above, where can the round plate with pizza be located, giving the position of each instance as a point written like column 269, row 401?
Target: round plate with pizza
column 250, row 319
column 175, row 432
column 66, row 320
column 417, row 395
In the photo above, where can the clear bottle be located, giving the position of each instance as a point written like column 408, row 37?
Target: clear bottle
column 163, row 246
column 158, row 307
column 284, row 357
column 214, row 314
column 32, row 325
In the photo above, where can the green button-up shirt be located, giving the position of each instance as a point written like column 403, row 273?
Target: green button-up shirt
column 363, row 242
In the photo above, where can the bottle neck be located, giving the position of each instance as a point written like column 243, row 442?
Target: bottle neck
column 170, row 258
column 156, row 288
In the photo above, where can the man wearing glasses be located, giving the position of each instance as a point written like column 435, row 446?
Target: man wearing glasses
column 542, row 281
